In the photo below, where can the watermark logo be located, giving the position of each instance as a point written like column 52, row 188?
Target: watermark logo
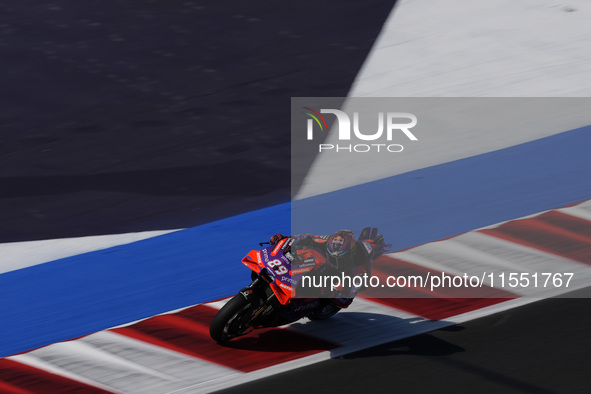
column 390, row 125
column 315, row 116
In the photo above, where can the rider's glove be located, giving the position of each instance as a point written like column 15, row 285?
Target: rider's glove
column 276, row 238
column 379, row 246
column 379, row 240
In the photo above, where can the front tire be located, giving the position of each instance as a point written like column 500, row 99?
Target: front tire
column 232, row 320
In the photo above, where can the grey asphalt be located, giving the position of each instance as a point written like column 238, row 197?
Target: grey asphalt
column 131, row 115
column 542, row 347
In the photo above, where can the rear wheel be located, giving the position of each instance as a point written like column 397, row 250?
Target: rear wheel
column 328, row 310
column 232, row 320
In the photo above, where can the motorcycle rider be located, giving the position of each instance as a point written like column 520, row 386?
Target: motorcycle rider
column 344, row 255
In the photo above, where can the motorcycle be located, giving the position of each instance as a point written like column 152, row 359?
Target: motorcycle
column 269, row 301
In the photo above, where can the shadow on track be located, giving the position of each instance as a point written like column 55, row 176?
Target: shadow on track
column 422, row 345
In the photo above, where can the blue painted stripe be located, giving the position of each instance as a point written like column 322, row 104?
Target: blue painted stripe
column 449, row 199
column 86, row 293
column 83, row 294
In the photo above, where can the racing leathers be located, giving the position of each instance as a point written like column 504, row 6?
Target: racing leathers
column 355, row 261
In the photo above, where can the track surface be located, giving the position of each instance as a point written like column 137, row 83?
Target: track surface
column 162, row 353
column 110, row 119
column 539, row 348
column 124, row 116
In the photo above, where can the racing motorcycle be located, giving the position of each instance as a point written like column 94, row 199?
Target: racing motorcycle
column 269, row 301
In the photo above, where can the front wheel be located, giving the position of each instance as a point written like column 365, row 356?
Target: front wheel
column 232, row 320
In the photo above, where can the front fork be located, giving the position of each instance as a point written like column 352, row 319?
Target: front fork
column 258, row 292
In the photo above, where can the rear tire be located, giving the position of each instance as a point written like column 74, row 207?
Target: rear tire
column 230, row 321
column 325, row 312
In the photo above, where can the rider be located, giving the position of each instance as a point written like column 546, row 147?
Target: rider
column 344, row 254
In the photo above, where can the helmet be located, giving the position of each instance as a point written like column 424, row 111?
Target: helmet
column 340, row 247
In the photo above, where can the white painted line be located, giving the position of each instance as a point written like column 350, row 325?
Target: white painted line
column 17, row 255
column 581, row 211
column 35, row 362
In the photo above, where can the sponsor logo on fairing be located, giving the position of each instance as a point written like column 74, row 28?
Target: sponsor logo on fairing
column 246, row 293
column 278, row 247
column 285, row 287
column 305, row 307
column 311, row 262
column 301, row 270
column 288, row 280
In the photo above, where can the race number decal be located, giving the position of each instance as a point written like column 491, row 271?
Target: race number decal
column 278, row 267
